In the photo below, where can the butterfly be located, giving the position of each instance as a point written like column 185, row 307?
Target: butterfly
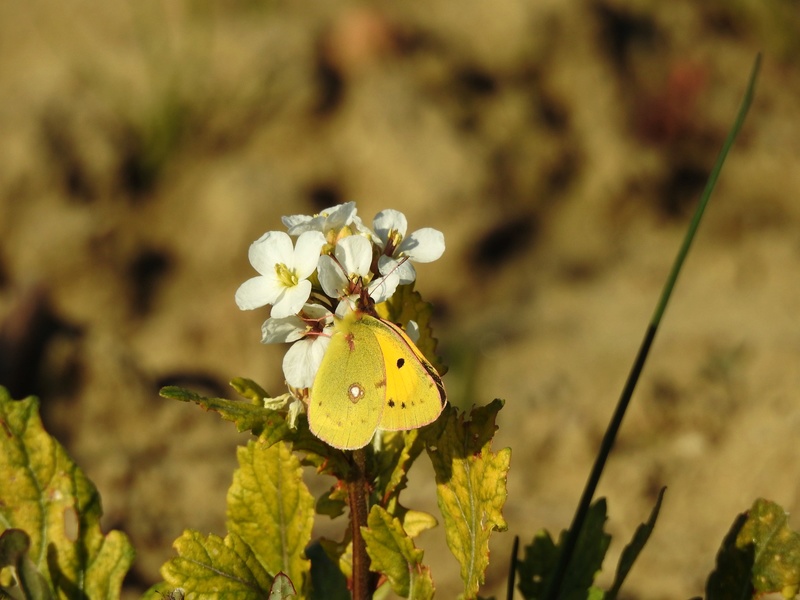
column 371, row 377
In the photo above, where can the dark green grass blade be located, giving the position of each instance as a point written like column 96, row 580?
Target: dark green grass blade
column 644, row 349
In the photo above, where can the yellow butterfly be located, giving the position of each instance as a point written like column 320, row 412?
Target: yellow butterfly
column 371, row 377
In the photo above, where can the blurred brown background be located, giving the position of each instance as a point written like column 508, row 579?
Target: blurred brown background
column 560, row 146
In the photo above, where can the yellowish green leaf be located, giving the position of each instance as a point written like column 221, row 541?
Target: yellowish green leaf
column 416, row 521
column 268, row 424
column 393, row 554
column 49, row 498
column 249, row 389
column 271, row 509
column 246, row 416
column 471, row 488
column 216, row 568
column 760, row 554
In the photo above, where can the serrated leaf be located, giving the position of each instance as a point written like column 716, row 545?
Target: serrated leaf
column 393, row 554
column 271, row 509
column 760, row 554
column 405, row 305
column 246, row 416
column 14, row 546
column 331, row 503
column 416, row 521
column 471, row 488
column 269, row 425
column 46, row 495
column 631, row 552
column 282, row 588
column 541, row 557
column 247, row 388
column 399, row 450
column 213, row 567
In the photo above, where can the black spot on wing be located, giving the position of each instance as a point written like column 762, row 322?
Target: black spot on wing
column 401, row 362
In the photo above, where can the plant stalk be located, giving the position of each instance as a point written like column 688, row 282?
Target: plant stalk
column 358, row 495
column 553, row 590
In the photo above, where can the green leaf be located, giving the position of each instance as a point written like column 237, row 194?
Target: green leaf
column 541, row 556
column 249, row 389
column 760, row 554
column 282, row 588
column 416, row 521
column 14, row 546
column 271, row 509
column 631, row 552
column 471, row 488
column 332, row 503
column 399, row 450
column 214, row 567
column 393, row 553
column 246, row 416
column 268, row 424
column 46, row 495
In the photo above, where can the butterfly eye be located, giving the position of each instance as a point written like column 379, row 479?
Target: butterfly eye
column 400, row 362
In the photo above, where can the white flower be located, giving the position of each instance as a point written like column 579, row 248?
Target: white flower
column 310, row 332
column 284, row 272
column 344, row 275
column 334, row 218
column 422, row 246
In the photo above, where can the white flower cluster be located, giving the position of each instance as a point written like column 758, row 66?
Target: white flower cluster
column 334, row 259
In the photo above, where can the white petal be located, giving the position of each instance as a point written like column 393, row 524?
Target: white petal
column 256, row 292
column 285, row 329
column 404, row 269
column 331, row 277
column 306, row 253
column 358, row 227
column 292, row 299
column 295, row 221
column 424, row 245
column 383, row 288
column 339, row 216
column 389, row 220
column 302, row 361
column 316, row 311
column 354, row 253
column 406, row 272
column 270, row 249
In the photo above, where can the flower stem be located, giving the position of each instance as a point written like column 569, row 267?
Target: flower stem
column 358, row 492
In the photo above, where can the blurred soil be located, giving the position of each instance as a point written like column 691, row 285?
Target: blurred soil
column 560, row 146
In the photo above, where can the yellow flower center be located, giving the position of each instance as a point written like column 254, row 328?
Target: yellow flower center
column 287, row 276
column 393, row 240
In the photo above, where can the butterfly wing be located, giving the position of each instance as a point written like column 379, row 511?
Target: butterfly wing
column 348, row 393
column 415, row 394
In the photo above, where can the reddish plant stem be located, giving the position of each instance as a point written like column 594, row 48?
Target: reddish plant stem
column 358, row 492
